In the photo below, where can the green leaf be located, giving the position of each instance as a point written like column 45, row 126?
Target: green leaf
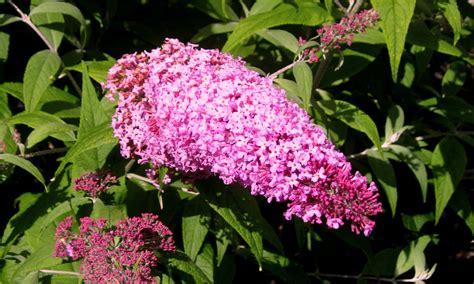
column 407, row 77
column 395, row 18
column 38, row 119
column 386, row 176
column 454, row 78
column 298, row 13
column 240, row 210
column 92, row 113
column 416, row 222
column 6, row 19
column 291, row 89
column 39, row 74
column 51, row 26
column 13, row 88
column 262, row 6
column 304, row 81
column 421, row 35
column 451, row 13
column 48, row 129
column 39, row 259
column 98, row 136
column 353, row 117
column 448, row 164
column 328, row 4
column 24, row 164
column 460, row 204
column 356, row 59
column 395, row 120
column 62, row 209
column 281, row 39
column 218, row 9
column 180, row 261
column 52, row 94
column 61, row 8
column 415, row 164
column 97, row 69
column 205, row 260
column 406, row 258
column 195, row 225
column 112, row 213
column 213, row 29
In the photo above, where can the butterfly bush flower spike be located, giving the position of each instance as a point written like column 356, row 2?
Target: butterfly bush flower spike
column 204, row 113
column 124, row 253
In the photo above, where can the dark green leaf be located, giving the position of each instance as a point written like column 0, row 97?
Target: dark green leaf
column 415, row 164
column 421, row 35
column 396, row 17
column 416, row 222
column 353, row 117
column 356, row 59
column 386, row 176
column 448, row 165
column 454, row 78
column 460, row 203
column 395, row 120
column 240, row 210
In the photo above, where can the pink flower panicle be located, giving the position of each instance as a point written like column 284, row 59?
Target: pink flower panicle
column 334, row 35
column 124, row 253
column 201, row 112
column 95, row 183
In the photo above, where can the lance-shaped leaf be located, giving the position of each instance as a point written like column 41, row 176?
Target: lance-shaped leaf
column 396, row 17
column 386, row 176
column 24, row 164
column 195, row 224
column 39, row 74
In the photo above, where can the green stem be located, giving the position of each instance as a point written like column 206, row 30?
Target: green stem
column 26, row 19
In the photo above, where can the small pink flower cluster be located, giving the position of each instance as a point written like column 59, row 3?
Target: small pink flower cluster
column 94, row 183
column 121, row 254
column 333, row 35
column 202, row 113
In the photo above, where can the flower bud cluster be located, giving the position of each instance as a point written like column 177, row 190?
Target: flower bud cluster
column 124, row 253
